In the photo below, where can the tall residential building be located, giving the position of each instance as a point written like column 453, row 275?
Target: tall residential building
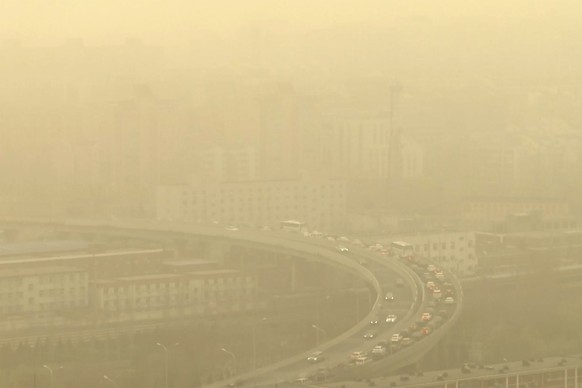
column 358, row 145
column 320, row 204
column 219, row 164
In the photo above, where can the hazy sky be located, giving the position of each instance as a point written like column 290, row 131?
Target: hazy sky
column 165, row 21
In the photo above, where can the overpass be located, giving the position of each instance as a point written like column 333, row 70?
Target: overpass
column 299, row 248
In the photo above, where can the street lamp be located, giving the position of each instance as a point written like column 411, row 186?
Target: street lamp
column 318, row 329
column 255, row 343
column 51, row 372
column 233, row 357
column 165, row 361
column 110, row 380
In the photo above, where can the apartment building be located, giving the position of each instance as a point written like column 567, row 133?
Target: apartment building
column 320, row 204
column 41, row 290
column 171, row 295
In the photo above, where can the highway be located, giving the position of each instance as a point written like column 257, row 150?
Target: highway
column 379, row 272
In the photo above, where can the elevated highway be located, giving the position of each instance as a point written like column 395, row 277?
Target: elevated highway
column 338, row 349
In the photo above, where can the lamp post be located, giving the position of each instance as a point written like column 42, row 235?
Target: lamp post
column 51, row 372
column 318, row 329
column 233, row 357
column 110, row 380
column 255, row 343
column 165, row 362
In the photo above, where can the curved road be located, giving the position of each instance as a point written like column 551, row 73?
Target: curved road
column 380, row 273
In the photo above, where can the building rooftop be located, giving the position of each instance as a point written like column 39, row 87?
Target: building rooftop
column 138, row 278
column 187, row 262
column 13, row 260
column 18, row 272
column 30, row 248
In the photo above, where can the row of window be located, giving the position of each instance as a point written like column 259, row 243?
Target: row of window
column 173, row 300
column 443, row 245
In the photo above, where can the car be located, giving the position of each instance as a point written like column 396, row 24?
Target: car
column 370, row 334
column 379, row 350
column 231, row 228
column 395, row 338
column 430, row 285
column 343, row 238
column 436, row 293
column 391, row 318
column 341, row 248
column 315, row 357
column 356, row 355
column 439, row 275
column 430, row 268
column 374, row 321
column 449, row 300
column 425, row 330
column 426, row 317
column 389, row 296
column 406, row 341
column 362, row 360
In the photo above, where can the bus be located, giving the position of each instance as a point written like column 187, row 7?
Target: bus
column 402, row 249
column 293, row 226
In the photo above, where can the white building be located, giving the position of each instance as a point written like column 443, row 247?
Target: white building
column 171, row 295
column 358, row 145
column 412, row 159
column 319, row 204
column 454, row 251
column 42, row 290
column 219, row 164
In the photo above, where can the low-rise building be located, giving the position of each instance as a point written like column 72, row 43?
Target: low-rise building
column 320, row 204
column 40, row 290
column 173, row 295
column 495, row 213
column 454, row 251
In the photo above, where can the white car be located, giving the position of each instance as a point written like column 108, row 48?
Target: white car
column 449, row 300
column 356, row 355
column 391, row 318
column 379, row 350
column 396, row 338
column 370, row 334
column 315, row 357
column 231, row 228
column 341, row 248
